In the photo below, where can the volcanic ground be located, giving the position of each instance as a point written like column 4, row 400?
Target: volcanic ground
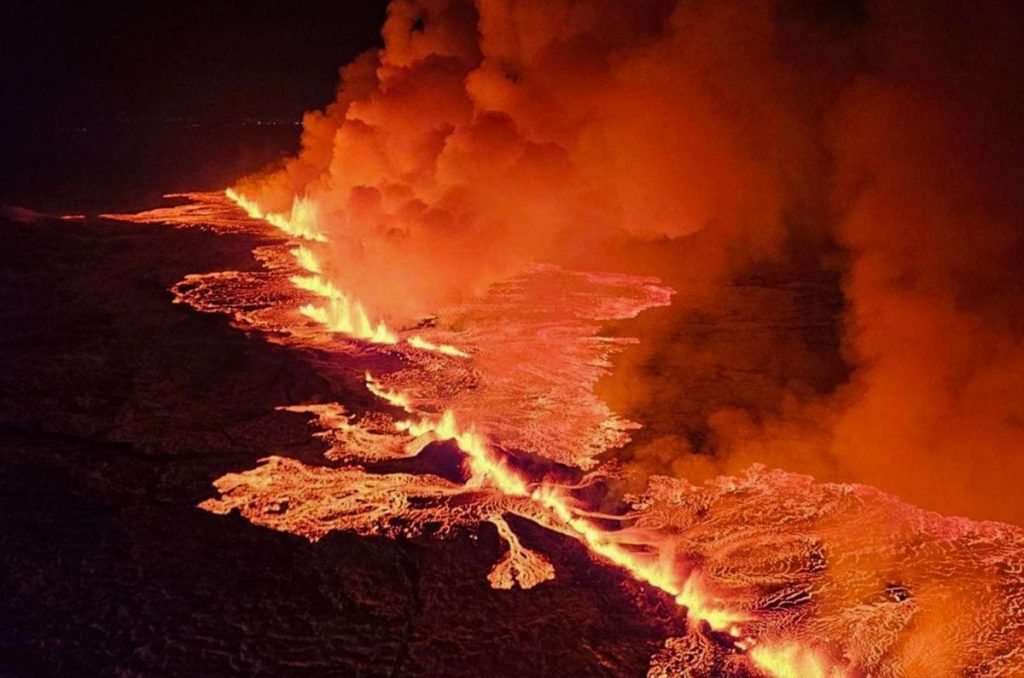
column 196, row 480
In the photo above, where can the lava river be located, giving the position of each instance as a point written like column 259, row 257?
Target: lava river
column 486, row 414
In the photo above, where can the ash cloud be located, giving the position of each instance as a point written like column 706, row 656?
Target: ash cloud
column 868, row 156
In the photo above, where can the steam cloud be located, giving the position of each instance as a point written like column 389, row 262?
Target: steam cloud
column 879, row 142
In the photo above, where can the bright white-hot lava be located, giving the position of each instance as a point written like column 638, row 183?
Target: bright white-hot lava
column 486, row 465
column 306, row 259
column 393, row 398
column 250, row 207
column 300, row 223
column 340, row 313
column 418, row 342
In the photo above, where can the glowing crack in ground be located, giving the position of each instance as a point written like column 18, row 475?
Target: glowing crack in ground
column 781, row 575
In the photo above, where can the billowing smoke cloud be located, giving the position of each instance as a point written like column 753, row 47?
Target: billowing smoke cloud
column 871, row 153
column 927, row 209
column 488, row 135
column 932, row 211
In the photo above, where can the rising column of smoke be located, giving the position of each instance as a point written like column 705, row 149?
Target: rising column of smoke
column 489, row 134
column 493, row 134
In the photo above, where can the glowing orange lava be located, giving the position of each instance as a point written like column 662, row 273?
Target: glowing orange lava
column 488, row 467
column 341, row 314
column 780, row 575
column 306, row 259
column 347, row 316
column 418, row 342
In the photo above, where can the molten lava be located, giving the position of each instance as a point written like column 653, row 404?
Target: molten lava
column 778, row 575
column 487, row 467
column 341, row 313
column 418, row 342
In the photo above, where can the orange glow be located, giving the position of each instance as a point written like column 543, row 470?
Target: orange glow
column 418, row 342
column 450, row 204
column 250, row 207
column 790, row 660
column 342, row 314
column 394, row 398
column 487, row 467
column 646, row 542
column 729, row 550
column 317, row 285
column 301, row 223
column 686, row 591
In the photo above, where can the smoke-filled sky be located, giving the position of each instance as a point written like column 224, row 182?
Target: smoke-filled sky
column 875, row 145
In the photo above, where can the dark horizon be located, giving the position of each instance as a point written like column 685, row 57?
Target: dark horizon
column 222, row 85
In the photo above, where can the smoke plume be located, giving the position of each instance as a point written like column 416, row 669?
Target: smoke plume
column 929, row 195
column 844, row 178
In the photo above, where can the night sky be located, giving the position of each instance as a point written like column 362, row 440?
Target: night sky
column 80, row 80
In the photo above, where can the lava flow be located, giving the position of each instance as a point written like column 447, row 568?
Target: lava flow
column 485, row 465
column 677, row 336
column 778, row 575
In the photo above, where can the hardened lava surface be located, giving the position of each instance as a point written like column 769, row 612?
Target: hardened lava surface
column 850, row 572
